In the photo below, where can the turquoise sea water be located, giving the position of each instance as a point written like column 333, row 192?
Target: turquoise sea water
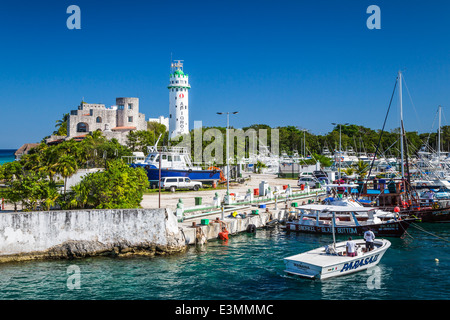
column 6, row 155
column 247, row 267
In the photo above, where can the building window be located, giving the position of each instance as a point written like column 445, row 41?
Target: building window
column 130, row 106
column 82, row 127
column 98, row 120
column 120, row 107
column 130, row 119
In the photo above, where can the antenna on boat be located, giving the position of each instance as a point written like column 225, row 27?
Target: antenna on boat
column 155, row 147
column 156, row 144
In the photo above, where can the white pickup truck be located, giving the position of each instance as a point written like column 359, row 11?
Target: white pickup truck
column 174, row 183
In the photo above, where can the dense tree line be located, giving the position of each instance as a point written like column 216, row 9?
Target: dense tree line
column 358, row 138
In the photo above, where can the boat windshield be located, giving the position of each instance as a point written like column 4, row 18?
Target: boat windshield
column 153, row 157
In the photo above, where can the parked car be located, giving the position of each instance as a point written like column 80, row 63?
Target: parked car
column 308, row 181
column 319, row 174
column 174, row 183
column 305, row 174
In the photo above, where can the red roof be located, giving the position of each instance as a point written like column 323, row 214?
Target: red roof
column 124, row 128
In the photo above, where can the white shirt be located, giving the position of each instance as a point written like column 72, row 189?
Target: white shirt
column 369, row 236
column 351, row 246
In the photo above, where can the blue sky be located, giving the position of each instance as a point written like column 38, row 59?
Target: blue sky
column 300, row 63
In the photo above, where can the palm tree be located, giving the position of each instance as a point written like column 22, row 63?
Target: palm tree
column 361, row 168
column 66, row 167
column 49, row 160
column 61, row 125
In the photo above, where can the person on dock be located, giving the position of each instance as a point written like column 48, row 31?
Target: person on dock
column 369, row 236
column 224, row 234
column 351, row 247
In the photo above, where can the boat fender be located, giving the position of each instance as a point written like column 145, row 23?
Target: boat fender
column 251, row 228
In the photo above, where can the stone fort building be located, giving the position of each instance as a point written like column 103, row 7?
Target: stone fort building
column 114, row 122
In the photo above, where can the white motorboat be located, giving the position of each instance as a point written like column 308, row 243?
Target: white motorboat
column 331, row 261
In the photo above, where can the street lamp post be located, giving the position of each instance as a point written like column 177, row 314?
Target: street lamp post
column 228, row 165
column 304, row 142
column 340, row 147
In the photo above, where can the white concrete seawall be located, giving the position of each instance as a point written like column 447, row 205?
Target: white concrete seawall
column 79, row 233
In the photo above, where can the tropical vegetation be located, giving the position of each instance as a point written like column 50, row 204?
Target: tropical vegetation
column 39, row 180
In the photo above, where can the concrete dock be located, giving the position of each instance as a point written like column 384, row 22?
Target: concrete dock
column 213, row 218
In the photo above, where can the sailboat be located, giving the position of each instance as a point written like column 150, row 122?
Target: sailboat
column 403, row 197
column 332, row 261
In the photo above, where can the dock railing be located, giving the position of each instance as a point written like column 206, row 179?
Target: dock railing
column 240, row 202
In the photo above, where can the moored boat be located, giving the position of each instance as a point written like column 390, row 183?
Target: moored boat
column 310, row 220
column 175, row 162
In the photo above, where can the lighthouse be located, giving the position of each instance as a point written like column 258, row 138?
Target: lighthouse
column 178, row 100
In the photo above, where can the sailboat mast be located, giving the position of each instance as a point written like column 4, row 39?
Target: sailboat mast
column 439, row 137
column 401, row 122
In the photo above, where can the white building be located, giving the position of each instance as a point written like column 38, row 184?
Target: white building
column 114, row 122
column 178, row 101
column 161, row 120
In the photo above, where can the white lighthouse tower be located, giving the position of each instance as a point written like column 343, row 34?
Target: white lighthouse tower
column 178, row 100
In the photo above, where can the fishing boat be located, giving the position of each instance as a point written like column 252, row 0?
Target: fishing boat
column 312, row 219
column 401, row 196
column 175, row 162
column 332, row 261
column 162, row 162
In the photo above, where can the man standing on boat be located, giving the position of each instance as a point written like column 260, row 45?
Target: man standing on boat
column 351, row 247
column 369, row 236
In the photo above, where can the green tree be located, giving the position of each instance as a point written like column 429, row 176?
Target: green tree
column 119, row 186
column 61, row 125
column 66, row 167
column 157, row 129
column 361, row 168
column 140, row 140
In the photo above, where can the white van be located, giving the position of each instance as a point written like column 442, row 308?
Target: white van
column 174, row 183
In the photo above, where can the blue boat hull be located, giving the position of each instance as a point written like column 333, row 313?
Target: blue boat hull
column 197, row 175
